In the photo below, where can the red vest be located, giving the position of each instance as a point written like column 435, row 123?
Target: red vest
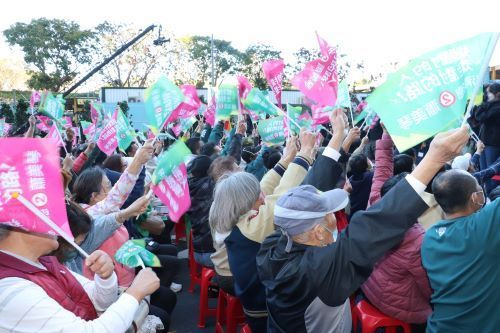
column 56, row 281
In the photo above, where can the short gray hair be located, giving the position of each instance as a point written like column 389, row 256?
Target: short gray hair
column 234, row 195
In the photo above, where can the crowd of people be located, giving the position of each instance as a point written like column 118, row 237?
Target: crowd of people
column 298, row 232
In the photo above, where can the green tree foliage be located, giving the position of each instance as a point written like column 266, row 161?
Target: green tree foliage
column 6, row 112
column 53, row 49
column 227, row 58
column 252, row 60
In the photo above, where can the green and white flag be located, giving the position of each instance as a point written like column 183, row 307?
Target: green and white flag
column 227, row 102
column 258, row 102
column 169, row 160
column 124, row 131
column 161, row 99
column 272, row 130
column 429, row 95
column 52, row 106
column 133, row 253
column 343, row 98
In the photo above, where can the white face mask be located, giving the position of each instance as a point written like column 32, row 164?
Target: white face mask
column 480, row 204
column 490, row 97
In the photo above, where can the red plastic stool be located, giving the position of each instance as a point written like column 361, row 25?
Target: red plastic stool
column 371, row 319
column 206, row 276
column 246, row 329
column 194, row 267
column 180, row 230
column 229, row 313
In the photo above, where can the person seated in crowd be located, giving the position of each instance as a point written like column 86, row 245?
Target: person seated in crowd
column 398, row 285
column 403, row 163
column 241, row 216
column 307, row 275
column 460, row 255
column 39, row 294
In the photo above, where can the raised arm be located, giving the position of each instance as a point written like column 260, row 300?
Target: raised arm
column 348, row 262
column 384, row 165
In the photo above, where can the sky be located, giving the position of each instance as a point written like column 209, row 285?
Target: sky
column 377, row 32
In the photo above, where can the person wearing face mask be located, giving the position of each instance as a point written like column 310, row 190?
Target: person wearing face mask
column 308, row 275
column 460, row 255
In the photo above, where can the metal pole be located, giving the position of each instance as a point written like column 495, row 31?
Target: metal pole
column 213, row 60
column 108, row 60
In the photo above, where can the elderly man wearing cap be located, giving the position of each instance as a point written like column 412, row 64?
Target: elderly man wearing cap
column 309, row 274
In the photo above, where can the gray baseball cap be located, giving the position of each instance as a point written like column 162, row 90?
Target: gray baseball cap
column 302, row 207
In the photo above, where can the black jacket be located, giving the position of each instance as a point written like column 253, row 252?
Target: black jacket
column 488, row 115
column 201, row 192
column 297, row 282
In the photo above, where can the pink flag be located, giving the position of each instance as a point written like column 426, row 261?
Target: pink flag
column 44, row 123
column 318, row 80
column 321, row 114
column 35, row 98
column 190, row 106
column 55, row 135
column 32, row 169
column 150, row 134
column 173, row 191
column 108, row 140
column 210, row 112
column 95, row 112
column 244, row 86
column 323, row 45
column 273, row 70
column 67, row 122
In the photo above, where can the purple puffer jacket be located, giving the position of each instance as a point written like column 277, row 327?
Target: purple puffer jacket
column 398, row 285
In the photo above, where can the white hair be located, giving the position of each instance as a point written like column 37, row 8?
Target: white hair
column 234, row 195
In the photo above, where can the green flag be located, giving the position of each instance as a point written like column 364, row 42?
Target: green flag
column 187, row 123
column 299, row 116
column 52, row 106
column 124, row 131
column 343, row 99
column 272, row 131
column 226, row 102
column 169, row 160
column 133, row 252
column 161, row 99
column 257, row 102
column 429, row 95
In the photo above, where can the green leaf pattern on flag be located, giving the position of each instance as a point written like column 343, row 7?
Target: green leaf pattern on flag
column 161, row 99
column 131, row 253
column 169, row 160
column 258, row 102
column 343, row 99
column 271, row 130
column 295, row 113
column 429, row 95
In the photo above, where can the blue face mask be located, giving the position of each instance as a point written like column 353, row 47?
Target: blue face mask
column 334, row 232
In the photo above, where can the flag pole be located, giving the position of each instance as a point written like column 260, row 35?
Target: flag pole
column 26, row 203
column 140, row 261
column 482, row 73
column 60, row 136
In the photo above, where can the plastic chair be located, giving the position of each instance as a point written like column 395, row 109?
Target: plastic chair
column 180, row 230
column 229, row 313
column 206, row 276
column 371, row 319
column 194, row 268
column 246, row 329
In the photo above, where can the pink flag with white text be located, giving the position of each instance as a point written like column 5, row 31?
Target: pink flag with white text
column 318, row 80
column 273, row 71
column 321, row 114
column 189, row 107
column 210, row 112
column 108, row 140
column 32, row 170
column 173, row 191
column 323, row 45
column 55, row 135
